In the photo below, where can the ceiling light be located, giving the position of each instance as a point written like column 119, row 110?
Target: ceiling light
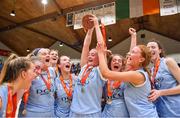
column 13, row 13
column 28, row 50
column 44, row 2
column 109, row 39
column 60, row 44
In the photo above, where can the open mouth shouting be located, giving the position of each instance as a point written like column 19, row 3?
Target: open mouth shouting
column 116, row 67
column 47, row 60
column 54, row 58
column 67, row 67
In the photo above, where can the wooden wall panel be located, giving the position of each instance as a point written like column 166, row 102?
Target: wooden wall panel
column 21, row 39
column 56, row 28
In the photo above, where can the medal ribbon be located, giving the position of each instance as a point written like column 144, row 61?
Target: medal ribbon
column 85, row 75
column 25, row 100
column 115, row 84
column 68, row 92
column 12, row 103
column 155, row 72
column 48, row 82
column 103, row 30
column 56, row 70
column 25, row 97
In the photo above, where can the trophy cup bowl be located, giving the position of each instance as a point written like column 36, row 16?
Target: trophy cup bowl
column 87, row 23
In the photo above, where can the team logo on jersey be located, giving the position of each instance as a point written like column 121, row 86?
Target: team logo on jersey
column 44, row 91
column 65, row 99
column 117, row 93
column 79, row 82
column 158, row 82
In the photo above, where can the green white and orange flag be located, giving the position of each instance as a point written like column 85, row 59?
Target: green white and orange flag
column 151, row 7
column 136, row 8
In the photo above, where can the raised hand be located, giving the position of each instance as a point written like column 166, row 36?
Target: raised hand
column 132, row 31
column 95, row 20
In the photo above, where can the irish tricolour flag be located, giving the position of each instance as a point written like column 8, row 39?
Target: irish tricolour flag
column 137, row 8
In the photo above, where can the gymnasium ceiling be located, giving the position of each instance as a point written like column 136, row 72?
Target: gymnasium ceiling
column 33, row 27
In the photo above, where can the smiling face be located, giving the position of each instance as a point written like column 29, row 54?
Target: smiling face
column 38, row 66
column 65, row 64
column 93, row 58
column 116, row 63
column 155, row 51
column 29, row 75
column 53, row 57
column 20, row 71
column 135, row 59
column 43, row 55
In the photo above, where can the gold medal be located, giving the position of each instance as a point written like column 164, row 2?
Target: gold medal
column 24, row 112
column 82, row 89
column 109, row 100
column 69, row 100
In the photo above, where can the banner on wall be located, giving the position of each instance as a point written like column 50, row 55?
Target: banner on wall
column 70, row 19
column 78, row 15
column 178, row 5
column 168, row 7
column 98, row 12
column 104, row 12
column 4, row 52
column 121, row 9
column 88, row 11
column 109, row 11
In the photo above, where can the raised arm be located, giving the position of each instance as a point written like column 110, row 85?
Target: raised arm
column 99, row 35
column 85, row 50
column 132, row 32
column 133, row 77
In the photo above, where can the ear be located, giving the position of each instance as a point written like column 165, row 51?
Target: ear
column 142, row 59
column 23, row 74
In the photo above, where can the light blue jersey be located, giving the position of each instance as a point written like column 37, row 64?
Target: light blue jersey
column 167, row 106
column 88, row 101
column 118, row 107
column 62, row 104
column 4, row 98
column 41, row 100
column 136, row 99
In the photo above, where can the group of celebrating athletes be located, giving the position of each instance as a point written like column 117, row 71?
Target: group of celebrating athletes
column 41, row 84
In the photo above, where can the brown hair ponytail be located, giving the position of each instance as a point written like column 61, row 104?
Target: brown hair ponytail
column 145, row 52
column 13, row 66
column 149, row 76
column 4, row 69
